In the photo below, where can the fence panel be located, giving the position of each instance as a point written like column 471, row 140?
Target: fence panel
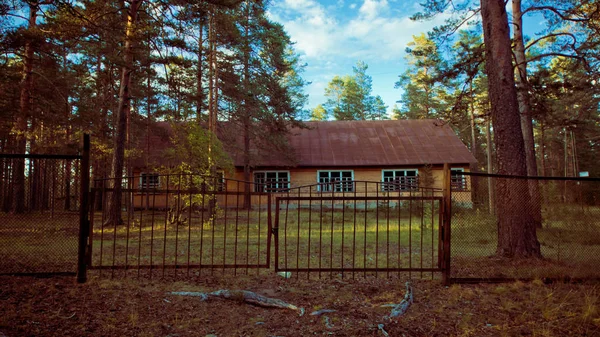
column 377, row 231
column 39, row 217
column 568, row 211
column 195, row 223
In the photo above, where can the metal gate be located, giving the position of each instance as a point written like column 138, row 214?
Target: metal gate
column 43, row 200
column 370, row 228
column 181, row 224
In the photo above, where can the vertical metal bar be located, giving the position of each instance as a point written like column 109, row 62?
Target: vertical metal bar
column 212, row 219
column 83, row 210
column 387, row 237
column 399, row 205
column 176, row 218
column 112, row 275
column 189, row 245
column 432, row 237
column 331, row 233
column 237, row 197
column 354, row 233
column 275, row 230
column 166, row 223
column 152, row 233
column 139, row 255
column 269, row 231
column 377, row 230
column 298, row 237
column 285, row 226
column 248, row 233
column 343, row 225
column 235, row 245
column 90, row 249
column 365, row 229
column 102, row 226
column 422, row 231
column 410, row 200
column 447, row 224
column 320, row 233
column 440, row 234
column 202, row 232
column 259, row 213
column 309, row 228
column 128, row 229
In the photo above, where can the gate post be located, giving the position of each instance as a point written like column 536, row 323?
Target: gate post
column 447, row 202
column 83, row 210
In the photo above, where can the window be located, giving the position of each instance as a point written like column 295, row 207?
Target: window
column 458, row 182
column 215, row 183
column 399, row 180
column 271, row 181
column 149, row 180
column 335, row 181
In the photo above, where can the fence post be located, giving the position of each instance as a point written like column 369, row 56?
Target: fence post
column 83, row 210
column 447, row 217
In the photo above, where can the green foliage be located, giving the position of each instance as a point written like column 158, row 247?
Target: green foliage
column 349, row 97
column 190, row 143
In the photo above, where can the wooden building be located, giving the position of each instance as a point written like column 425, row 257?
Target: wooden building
column 337, row 157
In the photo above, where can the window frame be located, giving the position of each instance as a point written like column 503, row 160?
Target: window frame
column 155, row 185
column 328, row 189
column 458, row 185
column 386, row 187
column 278, row 189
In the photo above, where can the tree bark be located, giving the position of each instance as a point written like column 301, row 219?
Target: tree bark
column 473, row 167
column 516, row 224
column 118, row 160
column 247, row 109
column 18, row 199
column 490, row 168
column 525, row 111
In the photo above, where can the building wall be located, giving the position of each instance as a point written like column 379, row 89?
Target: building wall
column 303, row 183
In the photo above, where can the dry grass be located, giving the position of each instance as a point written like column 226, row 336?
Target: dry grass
column 59, row 307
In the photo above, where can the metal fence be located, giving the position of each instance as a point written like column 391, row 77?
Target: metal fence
column 567, row 214
column 193, row 223
column 376, row 229
column 198, row 225
column 40, row 200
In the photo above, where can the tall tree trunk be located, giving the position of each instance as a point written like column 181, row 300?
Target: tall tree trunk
column 18, row 199
column 490, row 167
column 525, row 111
column 247, row 108
column 115, row 197
column 517, row 226
column 199, row 92
column 473, row 167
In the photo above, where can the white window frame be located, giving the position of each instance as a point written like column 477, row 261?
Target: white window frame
column 153, row 185
column 388, row 186
column 280, row 187
column 458, row 185
column 341, row 186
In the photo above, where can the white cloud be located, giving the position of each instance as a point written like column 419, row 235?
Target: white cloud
column 372, row 8
column 375, row 31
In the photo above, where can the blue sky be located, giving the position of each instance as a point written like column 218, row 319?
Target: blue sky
column 332, row 35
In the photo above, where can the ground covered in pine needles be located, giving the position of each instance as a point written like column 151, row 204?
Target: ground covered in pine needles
column 130, row 307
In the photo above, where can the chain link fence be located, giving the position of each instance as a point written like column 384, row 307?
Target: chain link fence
column 39, row 213
column 566, row 212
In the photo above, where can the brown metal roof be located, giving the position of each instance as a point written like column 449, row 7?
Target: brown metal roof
column 347, row 144
column 378, row 143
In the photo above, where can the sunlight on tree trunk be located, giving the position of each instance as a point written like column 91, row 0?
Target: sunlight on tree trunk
column 516, row 224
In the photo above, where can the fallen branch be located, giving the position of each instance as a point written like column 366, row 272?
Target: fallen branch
column 402, row 307
column 243, row 296
column 321, row 312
